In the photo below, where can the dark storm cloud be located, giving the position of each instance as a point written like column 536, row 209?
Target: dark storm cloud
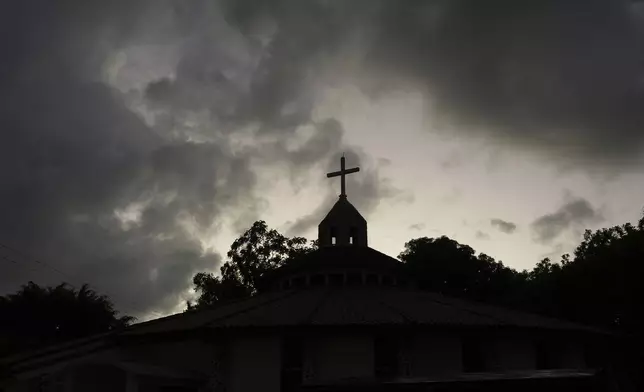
column 574, row 214
column 503, row 226
column 73, row 158
column 563, row 77
column 103, row 196
column 72, row 154
column 256, row 62
column 559, row 76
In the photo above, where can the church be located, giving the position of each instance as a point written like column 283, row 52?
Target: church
column 345, row 317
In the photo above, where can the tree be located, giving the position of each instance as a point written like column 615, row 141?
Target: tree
column 445, row 266
column 602, row 285
column 37, row 316
column 213, row 288
column 254, row 253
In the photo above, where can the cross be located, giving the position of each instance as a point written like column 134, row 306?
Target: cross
column 342, row 173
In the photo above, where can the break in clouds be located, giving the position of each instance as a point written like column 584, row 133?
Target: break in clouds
column 132, row 129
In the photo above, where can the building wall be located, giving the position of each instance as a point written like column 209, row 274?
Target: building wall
column 255, row 364
column 336, row 357
column 572, row 355
column 435, row 354
column 99, row 378
column 192, row 355
column 510, row 354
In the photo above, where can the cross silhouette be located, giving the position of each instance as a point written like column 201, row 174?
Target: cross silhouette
column 342, row 173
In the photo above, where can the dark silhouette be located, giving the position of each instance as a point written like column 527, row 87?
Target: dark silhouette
column 255, row 252
column 36, row 316
column 599, row 285
column 443, row 265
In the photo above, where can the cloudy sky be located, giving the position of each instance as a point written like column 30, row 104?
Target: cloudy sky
column 140, row 137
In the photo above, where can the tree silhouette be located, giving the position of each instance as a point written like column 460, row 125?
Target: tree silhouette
column 255, row 252
column 36, row 316
column 598, row 285
column 448, row 267
column 602, row 285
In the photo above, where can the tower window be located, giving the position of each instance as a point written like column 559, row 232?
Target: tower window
column 334, row 235
column 353, row 235
column 333, row 240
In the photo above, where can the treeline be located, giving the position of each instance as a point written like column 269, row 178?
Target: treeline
column 599, row 284
column 37, row 316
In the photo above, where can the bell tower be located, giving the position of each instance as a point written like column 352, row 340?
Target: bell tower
column 343, row 225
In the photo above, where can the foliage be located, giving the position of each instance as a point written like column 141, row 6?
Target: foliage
column 213, row 288
column 445, row 266
column 599, row 284
column 602, row 286
column 38, row 315
column 255, row 252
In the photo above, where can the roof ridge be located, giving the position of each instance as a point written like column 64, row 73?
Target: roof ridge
column 249, row 308
column 466, row 310
column 26, row 355
column 397, row 311
column 500, row 308
column 217, row 306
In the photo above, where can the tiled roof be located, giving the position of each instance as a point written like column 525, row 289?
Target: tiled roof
column 378, row 306
column 198, row 319
column 331, row 257
column 345, row 306
column 322, row 307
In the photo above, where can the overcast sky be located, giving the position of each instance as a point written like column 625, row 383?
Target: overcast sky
column 139, row 138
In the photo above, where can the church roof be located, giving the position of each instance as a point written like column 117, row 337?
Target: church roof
column 345, row 257
column 347, row 306
column 319, row 307
column 342, row 210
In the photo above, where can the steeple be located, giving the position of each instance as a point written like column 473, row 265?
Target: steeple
column 343, row 225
